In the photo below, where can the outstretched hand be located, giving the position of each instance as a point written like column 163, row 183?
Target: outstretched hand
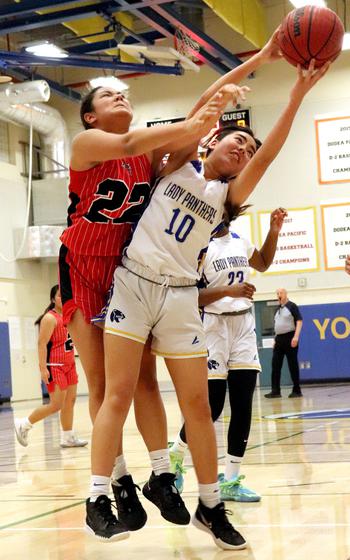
column 208, row 115
column 271, row 51
column 308, row 78
column 277, row 218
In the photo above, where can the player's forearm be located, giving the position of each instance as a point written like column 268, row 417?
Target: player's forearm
column 210, row 295
column 242, row 187
column 42, row 355
column 145, row 140
column 268, row 249
column 235, row 76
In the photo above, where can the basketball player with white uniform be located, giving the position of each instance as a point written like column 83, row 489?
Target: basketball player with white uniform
column 155, row 292
column 225, row 296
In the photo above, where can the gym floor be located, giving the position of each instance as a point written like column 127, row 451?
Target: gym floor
column 300, row 466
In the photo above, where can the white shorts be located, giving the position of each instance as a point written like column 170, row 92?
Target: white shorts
column 139, row 307
column 231, row 341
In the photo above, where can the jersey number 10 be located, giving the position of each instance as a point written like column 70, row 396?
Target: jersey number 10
column 180, row 229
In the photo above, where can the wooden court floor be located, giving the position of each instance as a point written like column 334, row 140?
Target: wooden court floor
column 299, row 465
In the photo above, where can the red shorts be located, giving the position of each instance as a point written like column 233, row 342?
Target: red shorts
column 84, row 282
column 63, row 376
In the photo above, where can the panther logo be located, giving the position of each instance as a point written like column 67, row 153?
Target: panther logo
column 117, row 316
column 213, row 364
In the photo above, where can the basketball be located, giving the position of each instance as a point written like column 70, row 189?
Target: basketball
column 311, row 32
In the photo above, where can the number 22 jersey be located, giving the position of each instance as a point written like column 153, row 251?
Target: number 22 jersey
column 227, row 263
column 106, row 201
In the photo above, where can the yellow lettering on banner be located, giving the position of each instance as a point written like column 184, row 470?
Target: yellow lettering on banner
column 321, row 328
column 346, row 324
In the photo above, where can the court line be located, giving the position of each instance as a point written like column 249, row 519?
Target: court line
column 153, row 527
column 2, row 527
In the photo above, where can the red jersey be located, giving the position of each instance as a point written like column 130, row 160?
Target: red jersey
column 60, row 349
column 106, row 201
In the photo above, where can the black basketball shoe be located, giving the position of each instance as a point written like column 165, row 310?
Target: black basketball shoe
column 214, row 521
column 162, row 492
column 101, row 522
column 130, row 510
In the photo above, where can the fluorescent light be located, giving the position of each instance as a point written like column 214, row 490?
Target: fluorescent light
column 346, row 42
column 301, row 3
column 46, row 49
column 109, row 81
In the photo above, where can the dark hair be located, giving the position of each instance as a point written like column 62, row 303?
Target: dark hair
column 87, row 106
column 224, row 131
column 53, row 293
column 233, row 211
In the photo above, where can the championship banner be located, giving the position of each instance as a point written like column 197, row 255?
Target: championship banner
column 333, row 149
column 336, row 234
column 297, row 242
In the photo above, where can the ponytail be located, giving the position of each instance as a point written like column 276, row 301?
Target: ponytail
column 53, row 293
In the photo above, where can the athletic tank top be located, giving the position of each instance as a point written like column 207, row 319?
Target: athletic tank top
column 226, row 263
column 106, row 201
column 174, row 231
column 60, row 349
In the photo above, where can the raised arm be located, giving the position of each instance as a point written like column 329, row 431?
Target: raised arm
column 94, row 146
column 262, row 260
column 241, row 187
column 269, row 53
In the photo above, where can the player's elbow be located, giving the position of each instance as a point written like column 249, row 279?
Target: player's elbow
column 130, row 146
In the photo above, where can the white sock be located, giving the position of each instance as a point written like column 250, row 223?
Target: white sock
column 66, row 435
column 26, row 423
column 232, row 466
column 99, row 486
column 119, row 468
column 160, row 461
column 209, row 494
column 179, row 446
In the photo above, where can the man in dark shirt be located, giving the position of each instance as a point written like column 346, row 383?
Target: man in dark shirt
column 288, row 323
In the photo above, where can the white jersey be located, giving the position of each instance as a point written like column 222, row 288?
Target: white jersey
column 227, row 263
column 174, row 231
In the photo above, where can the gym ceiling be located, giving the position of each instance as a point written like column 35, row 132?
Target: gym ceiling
column 90, row 30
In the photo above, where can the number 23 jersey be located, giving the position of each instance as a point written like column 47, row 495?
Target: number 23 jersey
column 106, row 201
column 227, row 263
column 174, row 231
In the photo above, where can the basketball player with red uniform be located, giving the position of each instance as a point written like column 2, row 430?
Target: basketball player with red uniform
column 57, row 367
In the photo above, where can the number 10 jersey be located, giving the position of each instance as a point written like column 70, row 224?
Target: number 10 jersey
column 172, row 236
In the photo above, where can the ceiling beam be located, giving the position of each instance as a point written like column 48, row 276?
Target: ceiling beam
column 167, row 26
column 99, row 46
column 31, row 6
column 208, row 44
column 109, row 62
column 148, row 16
column 42, row 20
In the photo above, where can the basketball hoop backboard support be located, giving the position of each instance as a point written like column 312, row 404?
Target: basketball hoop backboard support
column 156, row 55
